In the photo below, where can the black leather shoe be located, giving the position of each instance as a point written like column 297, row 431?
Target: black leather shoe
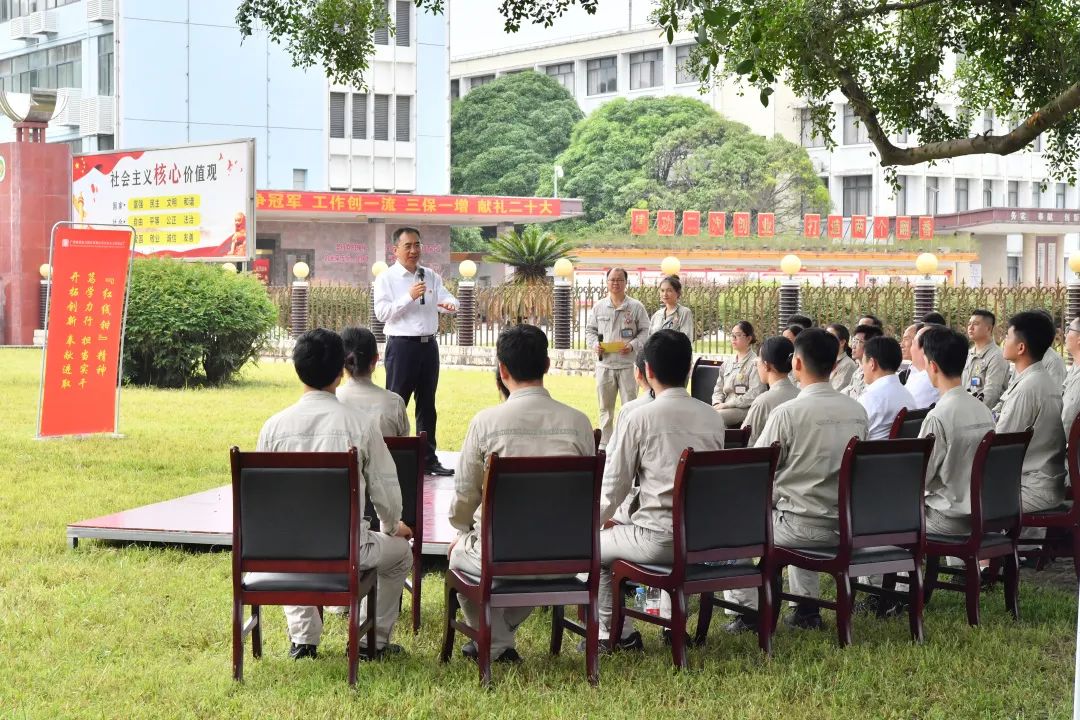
column 383, row 652
column 740, row 625
column 804, row 621
column 436, row 468
column 632, row 642
column 665, row 634
column 297, row 652
column 509, row 655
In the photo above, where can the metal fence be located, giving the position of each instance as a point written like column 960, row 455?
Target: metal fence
column 715, row 307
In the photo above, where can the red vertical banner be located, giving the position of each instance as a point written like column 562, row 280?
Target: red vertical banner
column 665, row 222
column 80, row 378
column 812, row 225
column 261, row 268
column 639, row 222
column 766, row 225
column 881, row 228
column 926, row 227
column 858, row 227
column 691, row 223
column 836, row 227
column 903, row 227
column 717, row 224
column 740, row 222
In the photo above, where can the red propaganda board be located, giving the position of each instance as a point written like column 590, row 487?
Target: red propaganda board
column 766, row 225
column 261, row 268
column 691, row 223
column 639, row 222
column 717, row 224
column 375, row 203
column 836, row 227
column 881, row 228
column 741, row 224
column 812, row 225
column 926, row 227
column 858, row 226
column 79, row 386
column 903, row 227
column 665, row 222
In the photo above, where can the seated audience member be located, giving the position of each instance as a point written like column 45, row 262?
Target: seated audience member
column 1071, row 400
column 653, row 439
column 906, row 339
column 869, row 319
column 529, row 423
column 918, row 381
column 792, row 331
column 319, row 423
column 986, row 372
column 773, row 367
column 1052, row 360
column 845, row 367
column 738, row 383
column 802, row 320
column 360, row 393
column 862, row 333
column 934, row 318
column 622, row 516
column 813, row 430
column 884, row 396
column 958, row 423
column 1034, row 400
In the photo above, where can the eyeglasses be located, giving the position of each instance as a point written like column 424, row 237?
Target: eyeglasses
column 1072, row 329
column 739, row 335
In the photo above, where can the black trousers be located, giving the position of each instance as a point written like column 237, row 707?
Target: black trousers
column 413, row 367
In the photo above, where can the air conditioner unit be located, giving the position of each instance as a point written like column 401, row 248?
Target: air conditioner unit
column 42, row 22
column 20, row 28
column 96, row 116
column 99, row 11
column 69, row 102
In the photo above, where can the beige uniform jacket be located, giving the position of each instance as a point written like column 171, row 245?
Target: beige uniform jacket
column 682, row 320
column 388, row 409
column 738, row 383
column 1034, row 400
column 627, row 323
column 528, row 423
column 986, row 374
column 958, row 423
column 813, row 430
column 777, row 394
column 842, row 372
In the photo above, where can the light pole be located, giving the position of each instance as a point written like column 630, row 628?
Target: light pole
column 925, row 288
column 564, row 305
column 466, row 310
column 556, row 173
column 300, row 312
column 790, row 265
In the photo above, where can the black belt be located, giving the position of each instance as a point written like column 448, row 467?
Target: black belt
column 414, row 338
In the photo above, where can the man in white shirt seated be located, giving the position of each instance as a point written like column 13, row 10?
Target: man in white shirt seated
column 319, row 423
column 884, row 396
column 918, row 381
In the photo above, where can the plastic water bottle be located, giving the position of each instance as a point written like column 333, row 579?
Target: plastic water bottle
column 652, row 602
column 639, row 599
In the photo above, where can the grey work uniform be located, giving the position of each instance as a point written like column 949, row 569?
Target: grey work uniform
column 682, row 320
column 530, row 423
column 627, row 323
column 857, row 386
column 367, row 398
column 622, row 515
column 986, row 374
column 842, row 372
column 778, row 393
column 1055, row 366
column 736, row 388
column 1070, row 401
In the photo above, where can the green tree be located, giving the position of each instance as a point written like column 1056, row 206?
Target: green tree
column 503, row 135
column 887, row 57
column 530, row 252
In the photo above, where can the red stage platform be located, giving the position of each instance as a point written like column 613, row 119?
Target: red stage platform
column 205, row 518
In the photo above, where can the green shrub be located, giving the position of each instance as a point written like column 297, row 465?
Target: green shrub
column 192, row 323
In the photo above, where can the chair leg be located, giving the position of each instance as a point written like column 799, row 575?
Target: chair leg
column 557, row 614
column 372, row 603
column 592, row 638
column 353, row 647
column 973, row 586
column 704, row 618
column 1012, row 585
column 843, row 608
column 617, row 600
column 1075, row 534
column 915, row 603
column 256, row 632
column 765, row 616
column 678, row 628
column 417, row 579
column 777, row 587
column 451, row 606
column 933, row 563
column 483, row 645
column 238, row 640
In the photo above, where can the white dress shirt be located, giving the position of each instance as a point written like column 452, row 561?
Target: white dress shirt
column 882, row 400
column 921, row 389
column 403, row 315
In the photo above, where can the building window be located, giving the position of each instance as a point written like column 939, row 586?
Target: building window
column 961, row 194
column 359, row 116
column 932, row 196
column 1037, row 144
column 382, row 117
column 988, row 193
column 455, row 89
column 1059, row 196
column 475, row 82
column 988, row 122
column 901, row 194
column 646, row 69
column 337, row 115
column 901, row 137
column 403, row 118
column 602, row 76
column 683, row 74
column 1014, row 194
column 381, row 35
column 854, row 131
column 299, row 179
column 807, row 135
column 858, row 190
column 105, row 64
column 1036, row 194
column 402, row 26
column 106, row 142
column 53, row 68
column 563, row 73
column 1013, row 269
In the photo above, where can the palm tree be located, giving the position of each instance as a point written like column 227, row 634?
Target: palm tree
column 527, row 295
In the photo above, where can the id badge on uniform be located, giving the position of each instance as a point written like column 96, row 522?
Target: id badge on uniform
column 976, row 382
column 740, row 389
column 627, row 333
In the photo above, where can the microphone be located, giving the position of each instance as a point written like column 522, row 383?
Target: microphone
column 600, row 353
column 420, row 277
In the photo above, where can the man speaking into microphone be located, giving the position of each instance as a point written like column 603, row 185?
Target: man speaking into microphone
column 408, row 299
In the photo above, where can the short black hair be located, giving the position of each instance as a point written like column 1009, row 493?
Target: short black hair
column 868, row 331
column 797, row 319
column 983, row 313
column 946, row 348
column 841, row 333
column 747, row 329
column 934, row 318
column 668, row 353
column 873, row 319
column 318, row 357
column 795, row 329
column 360, row 349
column 777, row 351
column 639, row 363
column 523, row 349
column 674, row 282
column 886, row 351
column 402, row 231
column 818, row 350
column 1035, row 329
column 620, row 269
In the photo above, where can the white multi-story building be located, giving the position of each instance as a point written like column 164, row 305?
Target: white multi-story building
column 620, row 52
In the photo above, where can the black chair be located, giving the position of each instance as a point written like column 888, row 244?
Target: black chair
column 296, row 533
column 524, row 534
column 735, row 438
column 409, row 455
column 882, row 528
column 1063, row 522
column 703, row 379
column 995, row 524
column 908, row 423
column 721, row 511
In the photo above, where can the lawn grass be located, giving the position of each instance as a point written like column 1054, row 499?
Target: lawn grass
column 137, row 631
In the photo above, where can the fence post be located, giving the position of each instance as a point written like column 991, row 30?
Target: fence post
column 46, row 283
column 563, row 305
column 790, row 299
column 299, row 312
column 374, row 323
column 465, row 318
